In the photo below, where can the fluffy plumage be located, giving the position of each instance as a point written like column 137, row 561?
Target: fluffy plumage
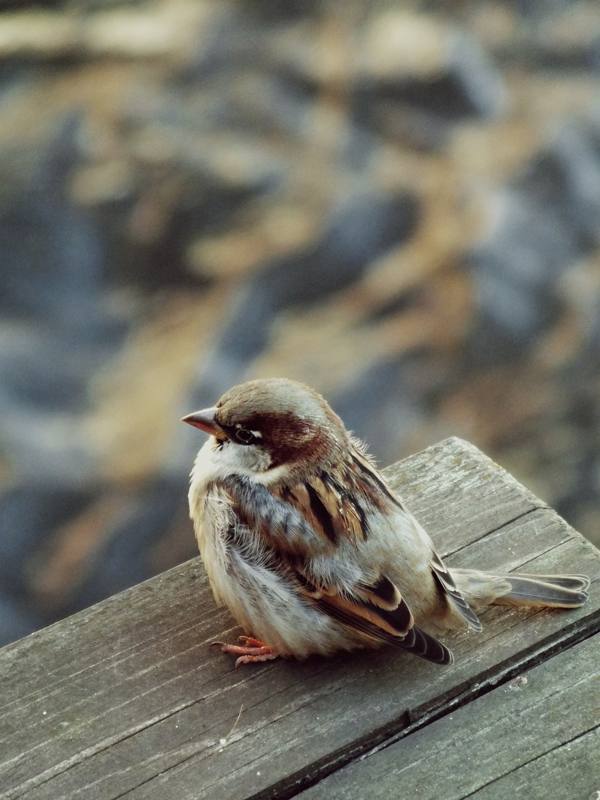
column 310, row 549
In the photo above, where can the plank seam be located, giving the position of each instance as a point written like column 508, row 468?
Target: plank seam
column 85, row 755
column 498, row 528
column 412, row 719
column 291, row 786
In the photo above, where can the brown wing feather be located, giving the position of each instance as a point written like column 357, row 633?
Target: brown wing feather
column 380, row 612
column 333, row 513
column 383, row 593
column 453, row 595
column 283, row 524
column 299, row 522
column 442, row 575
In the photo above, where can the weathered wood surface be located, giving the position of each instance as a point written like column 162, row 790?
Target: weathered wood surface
column 127, row 700
column 532, row 737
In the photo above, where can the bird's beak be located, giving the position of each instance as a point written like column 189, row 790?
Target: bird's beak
column 205, row 420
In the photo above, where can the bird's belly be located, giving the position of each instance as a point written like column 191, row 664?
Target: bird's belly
column 268, row 607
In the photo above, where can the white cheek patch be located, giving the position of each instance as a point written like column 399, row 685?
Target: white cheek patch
column 250, row 457
column 215, row 462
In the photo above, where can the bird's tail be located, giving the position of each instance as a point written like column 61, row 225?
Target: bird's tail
column 521, row 589
column 557, row 591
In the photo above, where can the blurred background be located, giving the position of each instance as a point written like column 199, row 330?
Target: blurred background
column 398, row 203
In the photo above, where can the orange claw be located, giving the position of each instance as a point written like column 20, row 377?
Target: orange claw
column 254, row 659
column 251, row 652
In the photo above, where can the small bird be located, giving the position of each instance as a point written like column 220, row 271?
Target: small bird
column 311, row 550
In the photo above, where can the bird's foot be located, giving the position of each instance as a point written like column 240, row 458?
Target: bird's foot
column 251, row 651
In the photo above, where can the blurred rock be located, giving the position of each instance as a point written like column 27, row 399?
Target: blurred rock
column 418, row 75
column 57, row 327
column 28, row 516
column 151, row 31
column 15, row 619
column 422, row 61
column 544, row 223
column 359, row 230
column 38, row 35
column 381, row 406
column 123, row 554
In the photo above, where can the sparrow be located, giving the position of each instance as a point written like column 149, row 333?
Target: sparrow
column 311, row 550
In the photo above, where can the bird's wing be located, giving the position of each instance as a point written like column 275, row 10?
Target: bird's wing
column 281, row 523
column 452, row 593
column 332, row 511
column 334, row 501
column 306, row 521
column 305, row 517
column 441, row 574
column 379, row 611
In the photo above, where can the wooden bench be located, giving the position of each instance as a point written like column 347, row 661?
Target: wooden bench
column 127, row 700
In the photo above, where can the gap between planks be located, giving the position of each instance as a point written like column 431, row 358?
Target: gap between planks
column 388, row 734
column 423, row 716
column 498, row 528
column 420, row 717
column 531, row 761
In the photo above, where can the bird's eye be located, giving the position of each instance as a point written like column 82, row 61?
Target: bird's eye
column 244, row 436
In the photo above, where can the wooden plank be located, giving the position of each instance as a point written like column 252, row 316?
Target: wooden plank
column 459, row 494
column 570, row 770
column 126, row 699
column 532, row 737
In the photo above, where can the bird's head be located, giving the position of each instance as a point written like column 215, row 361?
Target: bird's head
column 283, row 421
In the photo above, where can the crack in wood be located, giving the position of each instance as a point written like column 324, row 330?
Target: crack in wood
column 64, row 767
column 516, row 768
column 413, row 717
column 492, row 531
column 361, row 749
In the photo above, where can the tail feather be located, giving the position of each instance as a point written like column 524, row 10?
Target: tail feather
column 579, row 582
column 555, row 591
column 521, row 589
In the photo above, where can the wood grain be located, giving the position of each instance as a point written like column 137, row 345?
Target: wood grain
column 126, row 699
